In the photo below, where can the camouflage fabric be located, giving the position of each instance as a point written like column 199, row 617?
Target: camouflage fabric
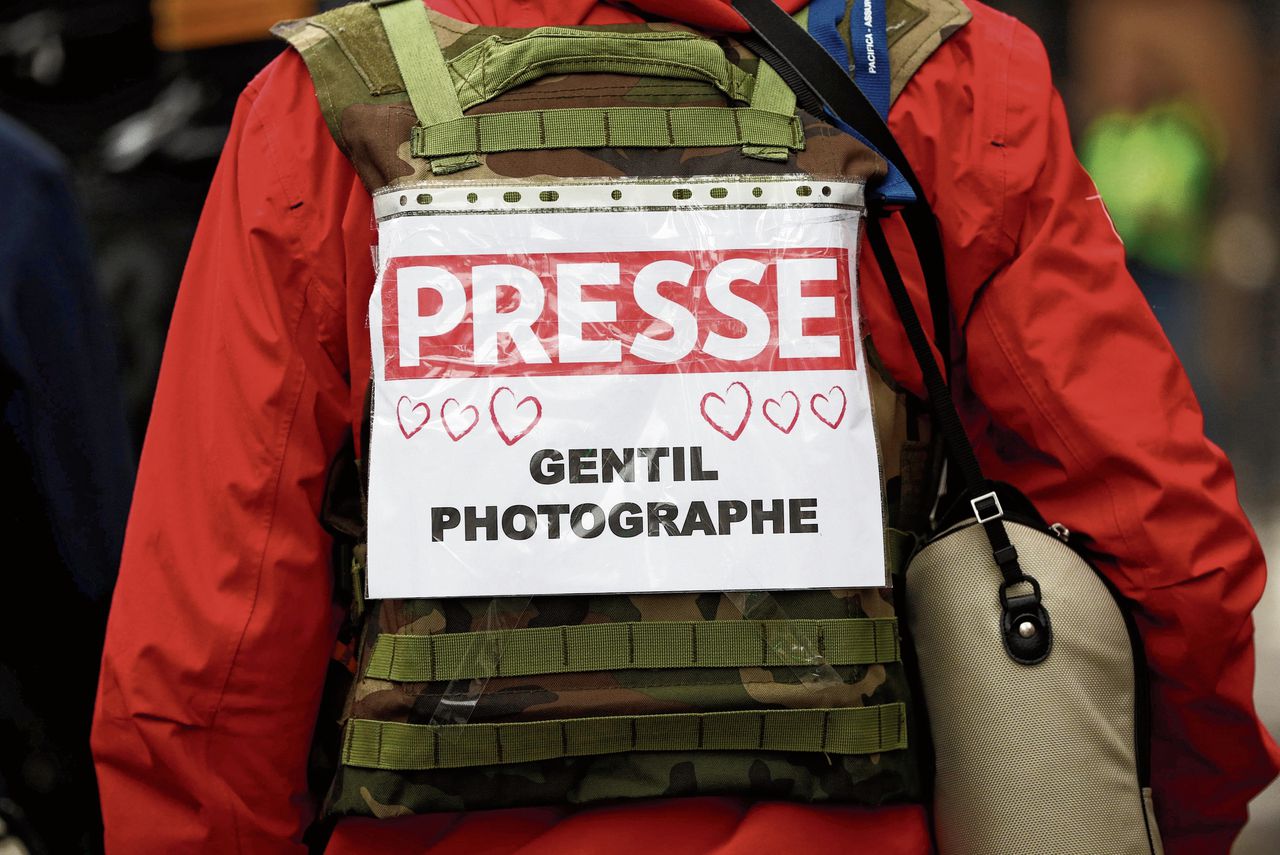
column 369, row 114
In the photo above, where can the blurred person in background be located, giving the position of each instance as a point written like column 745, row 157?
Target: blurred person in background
column 138, row 96
column 1171, row 98
column 68, row 471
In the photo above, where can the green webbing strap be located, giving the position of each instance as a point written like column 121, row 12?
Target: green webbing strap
column 422, row 66
column 623, row 646
column 772, row 95
column 594, row 127
column 497, row 64
column 398, row 746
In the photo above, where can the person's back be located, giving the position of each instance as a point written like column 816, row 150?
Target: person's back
column 224, row 621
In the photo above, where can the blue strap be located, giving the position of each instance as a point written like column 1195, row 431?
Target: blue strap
column 870, row 68
column 869, row 35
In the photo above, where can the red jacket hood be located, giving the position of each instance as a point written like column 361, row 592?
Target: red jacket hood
column 703, row 14
column 708, row 14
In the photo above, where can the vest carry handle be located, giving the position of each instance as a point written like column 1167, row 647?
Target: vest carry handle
column 498, row 64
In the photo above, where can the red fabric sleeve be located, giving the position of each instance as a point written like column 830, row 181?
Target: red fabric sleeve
column 1075, row 396
column 222, row 621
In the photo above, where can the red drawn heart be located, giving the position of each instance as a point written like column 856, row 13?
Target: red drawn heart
column 511, row 415
column 719, row 424
column 832, row 423
column 795, row 410
column 448, row 426
column 410, row 421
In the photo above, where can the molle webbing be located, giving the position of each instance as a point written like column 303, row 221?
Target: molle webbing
column 398, row 746
column 440, row 90
column 623, row 646
column 647, row 127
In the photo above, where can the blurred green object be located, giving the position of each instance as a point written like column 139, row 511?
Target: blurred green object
column 1155, row 171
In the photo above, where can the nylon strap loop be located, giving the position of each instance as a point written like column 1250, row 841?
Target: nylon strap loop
column 623, row 646
column 772, row 95
column 407, row 747
column 594, row 127
column 422, row 66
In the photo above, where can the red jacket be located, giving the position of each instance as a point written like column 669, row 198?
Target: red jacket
column 223, row 620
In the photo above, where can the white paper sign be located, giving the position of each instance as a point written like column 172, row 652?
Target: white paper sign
column 620, row 387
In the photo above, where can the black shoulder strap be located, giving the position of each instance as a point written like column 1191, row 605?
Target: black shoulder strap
column 803, row 63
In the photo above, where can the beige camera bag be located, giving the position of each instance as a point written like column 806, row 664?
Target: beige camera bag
column 1042, row 758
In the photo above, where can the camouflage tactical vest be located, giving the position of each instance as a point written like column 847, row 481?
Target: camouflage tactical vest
column 480, row 703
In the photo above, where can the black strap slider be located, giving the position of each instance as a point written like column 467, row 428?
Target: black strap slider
column 1005, row 556
column 987, row 508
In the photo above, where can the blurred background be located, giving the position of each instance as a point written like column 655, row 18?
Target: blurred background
column 113, row 113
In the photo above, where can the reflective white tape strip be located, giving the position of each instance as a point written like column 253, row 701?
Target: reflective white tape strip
column 740, row 191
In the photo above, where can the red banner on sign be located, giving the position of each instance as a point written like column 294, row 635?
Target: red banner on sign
column 651, row 312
